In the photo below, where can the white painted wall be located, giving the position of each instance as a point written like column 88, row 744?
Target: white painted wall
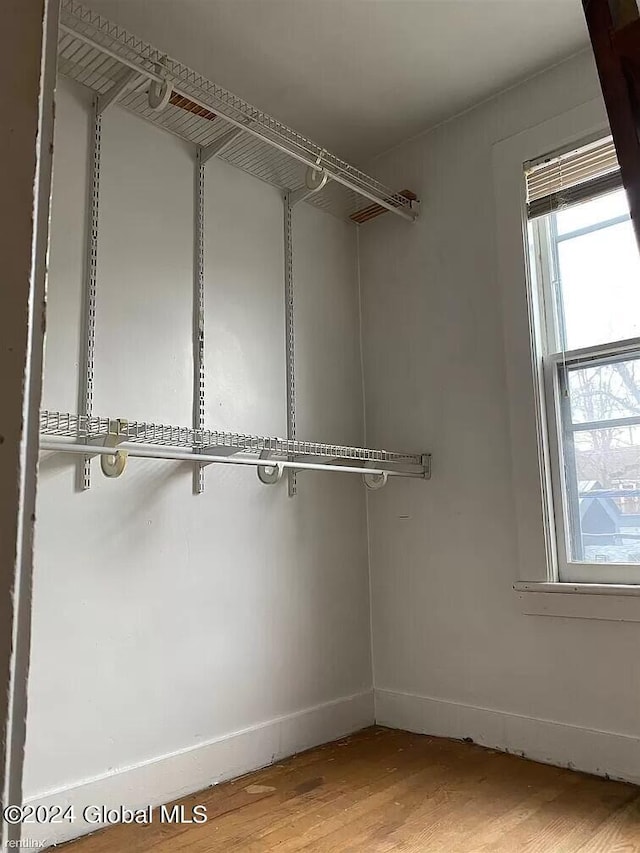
column 164, row 622
column 450, row 639
column 179, row 640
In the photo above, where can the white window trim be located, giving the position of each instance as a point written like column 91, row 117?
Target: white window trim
column 536, row 576
column 615, row 603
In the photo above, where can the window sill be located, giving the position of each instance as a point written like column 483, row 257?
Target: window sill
column 611, row 602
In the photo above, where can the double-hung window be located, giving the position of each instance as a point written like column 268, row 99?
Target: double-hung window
column 586, row 286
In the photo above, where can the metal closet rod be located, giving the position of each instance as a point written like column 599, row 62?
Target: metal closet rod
column 135, row 450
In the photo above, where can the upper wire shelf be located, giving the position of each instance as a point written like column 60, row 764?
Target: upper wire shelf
column 98, row 53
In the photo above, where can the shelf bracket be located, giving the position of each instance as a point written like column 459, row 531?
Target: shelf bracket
column 302, row 194
column 315, row 180
column 125, row 81
column 217, row 147
column 215, row 450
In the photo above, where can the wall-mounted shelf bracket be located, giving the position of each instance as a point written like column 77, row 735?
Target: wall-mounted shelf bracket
column 315, row 180
column 217, row 147
column 301, row 194
column 215, row 450
column 326, row 459
column 124, row 83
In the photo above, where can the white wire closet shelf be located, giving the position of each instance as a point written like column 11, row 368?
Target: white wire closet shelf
column 107, row 59
column 92, row 434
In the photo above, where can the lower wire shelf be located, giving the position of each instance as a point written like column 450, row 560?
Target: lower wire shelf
column 116, row 439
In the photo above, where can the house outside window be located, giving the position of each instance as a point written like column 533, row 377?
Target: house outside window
column 585, row 270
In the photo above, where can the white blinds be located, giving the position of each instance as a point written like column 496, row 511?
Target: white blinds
column 572, row 177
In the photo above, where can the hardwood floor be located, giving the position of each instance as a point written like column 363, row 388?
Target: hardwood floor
column 381, row 791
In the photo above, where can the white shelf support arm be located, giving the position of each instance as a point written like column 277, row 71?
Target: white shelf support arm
column 220, row 144
column 315, row 180
column 126, row 81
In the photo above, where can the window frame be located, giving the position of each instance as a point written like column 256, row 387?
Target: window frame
column 536, row 587
column 544, row 284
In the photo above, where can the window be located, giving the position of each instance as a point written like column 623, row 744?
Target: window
column 586, row 279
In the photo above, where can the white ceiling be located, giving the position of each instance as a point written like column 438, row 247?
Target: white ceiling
column 359, row 76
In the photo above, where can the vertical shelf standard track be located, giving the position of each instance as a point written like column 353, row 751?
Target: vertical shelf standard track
column 90, row 292
column 289, row 335
column 198, row 313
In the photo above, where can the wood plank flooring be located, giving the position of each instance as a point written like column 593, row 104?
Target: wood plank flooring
column 381, row 791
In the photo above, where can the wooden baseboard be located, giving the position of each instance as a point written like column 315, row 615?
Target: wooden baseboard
column 171, row 776
column 608, row 754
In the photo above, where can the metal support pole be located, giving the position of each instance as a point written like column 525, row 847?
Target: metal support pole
column 289, row 335
column 198, row 312
column 90, row 290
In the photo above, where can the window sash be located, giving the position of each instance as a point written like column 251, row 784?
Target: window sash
column 560, row 435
